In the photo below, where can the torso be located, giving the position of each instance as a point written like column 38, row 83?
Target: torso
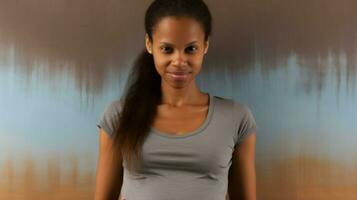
column 180, row 121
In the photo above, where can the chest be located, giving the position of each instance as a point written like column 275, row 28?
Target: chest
column 207, row 153
column 178, row 121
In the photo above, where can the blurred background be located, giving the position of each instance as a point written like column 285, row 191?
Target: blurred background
column 293, row 62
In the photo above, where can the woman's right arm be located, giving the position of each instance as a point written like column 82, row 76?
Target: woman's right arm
column 109, row 175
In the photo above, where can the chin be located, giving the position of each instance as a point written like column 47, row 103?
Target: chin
column 178, row 84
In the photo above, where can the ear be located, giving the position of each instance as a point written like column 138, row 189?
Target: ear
column 148, row 44
column 206, row 46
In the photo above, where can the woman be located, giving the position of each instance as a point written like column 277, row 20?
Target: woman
column 165, row 139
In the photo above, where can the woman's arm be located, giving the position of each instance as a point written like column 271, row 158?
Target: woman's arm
column 242, row 175
column 109, row 175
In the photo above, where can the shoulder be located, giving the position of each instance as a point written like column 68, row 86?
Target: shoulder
column 109, row 118
column 116, row 104
column 239, row 110
column 114, row 107
column 232, row 104
column 223, row 103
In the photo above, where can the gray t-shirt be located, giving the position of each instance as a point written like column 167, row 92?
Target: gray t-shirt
column 191, row 166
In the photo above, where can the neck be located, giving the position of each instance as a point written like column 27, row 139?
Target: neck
column 178, row 97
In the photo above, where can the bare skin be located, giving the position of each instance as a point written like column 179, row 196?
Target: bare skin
column 242, row 175
column 109, row 175
column 175, row 120
column 178, row 46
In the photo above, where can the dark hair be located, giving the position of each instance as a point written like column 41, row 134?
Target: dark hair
column 142, row 92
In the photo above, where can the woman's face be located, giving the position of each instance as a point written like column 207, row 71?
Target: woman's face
column 178, row 48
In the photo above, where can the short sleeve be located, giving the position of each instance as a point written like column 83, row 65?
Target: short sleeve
column 245, row 122
column 109, row 119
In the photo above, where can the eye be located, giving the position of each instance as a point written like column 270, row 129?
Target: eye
column 191, row 49
column 166, row 50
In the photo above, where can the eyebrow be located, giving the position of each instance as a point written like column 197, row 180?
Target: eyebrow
column 167, row 43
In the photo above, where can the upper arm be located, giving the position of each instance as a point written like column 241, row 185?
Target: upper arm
column 109, row 173
column 242, row 175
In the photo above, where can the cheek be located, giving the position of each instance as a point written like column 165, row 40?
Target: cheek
column 160, row 63
column 197, row 63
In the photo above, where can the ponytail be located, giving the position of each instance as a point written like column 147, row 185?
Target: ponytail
column 141, row 96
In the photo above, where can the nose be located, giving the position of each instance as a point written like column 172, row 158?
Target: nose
column 179, row 59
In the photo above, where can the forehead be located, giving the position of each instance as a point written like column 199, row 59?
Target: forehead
column 178, row 30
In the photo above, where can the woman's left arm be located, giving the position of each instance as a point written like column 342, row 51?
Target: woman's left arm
column 242, row 175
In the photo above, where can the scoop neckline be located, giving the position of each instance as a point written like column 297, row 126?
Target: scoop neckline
column 194, row 132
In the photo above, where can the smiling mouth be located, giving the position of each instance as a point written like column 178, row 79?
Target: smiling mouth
column 178, row 75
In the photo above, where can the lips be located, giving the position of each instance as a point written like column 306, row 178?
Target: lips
column 179, row 73
column 179, row 76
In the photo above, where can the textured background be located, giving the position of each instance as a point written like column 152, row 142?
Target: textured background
column 293, row 62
